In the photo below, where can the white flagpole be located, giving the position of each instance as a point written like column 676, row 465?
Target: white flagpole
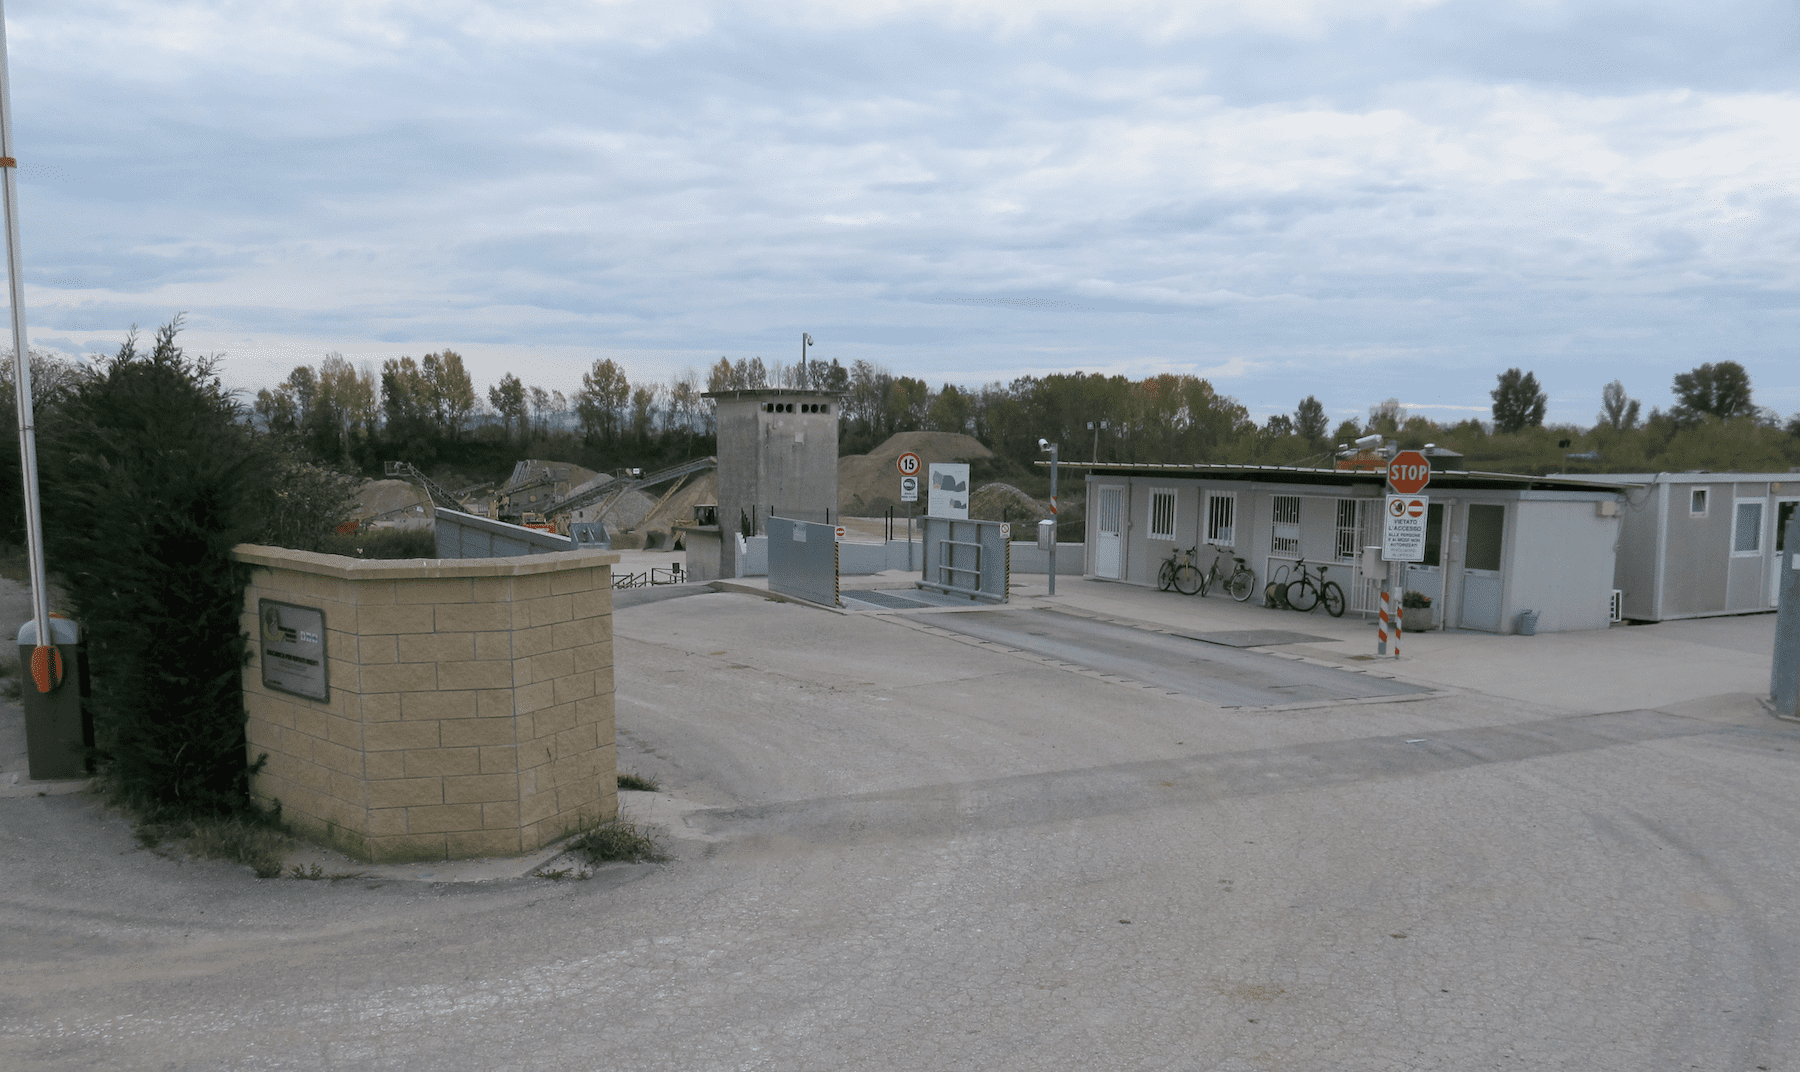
column 34, row 527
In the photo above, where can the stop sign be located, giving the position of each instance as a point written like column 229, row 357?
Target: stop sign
column 1409, row 472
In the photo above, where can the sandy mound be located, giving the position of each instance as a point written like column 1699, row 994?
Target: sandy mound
column 390, row 498
column 869, row 483
column 1003, row 502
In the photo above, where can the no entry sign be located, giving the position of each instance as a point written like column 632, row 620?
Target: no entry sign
column 1409, row 472
column 1403, row 536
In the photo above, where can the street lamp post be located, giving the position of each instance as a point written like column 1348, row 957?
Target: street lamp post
column 805, row 341
column 1054, row 449
column 1096, row 427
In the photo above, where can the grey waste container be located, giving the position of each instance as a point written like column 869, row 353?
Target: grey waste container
column 1528, row 623
column 59, row 730
column 1046, row 534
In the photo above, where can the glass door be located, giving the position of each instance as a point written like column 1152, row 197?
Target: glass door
column 1481, row 584
column 1784, row 512
column 1109, row 541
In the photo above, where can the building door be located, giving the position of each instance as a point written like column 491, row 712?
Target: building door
column 1427, row 575
column 1481, row 584
column 1109, row 538
column 1784, row 512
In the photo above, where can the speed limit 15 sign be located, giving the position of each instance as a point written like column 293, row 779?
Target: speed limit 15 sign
column 1409, row 472
column 908, row 464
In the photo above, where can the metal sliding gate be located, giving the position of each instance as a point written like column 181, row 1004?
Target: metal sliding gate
column 967, row 558
column 803, row 560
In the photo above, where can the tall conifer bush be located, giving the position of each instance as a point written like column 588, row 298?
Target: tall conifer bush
column 151, row 476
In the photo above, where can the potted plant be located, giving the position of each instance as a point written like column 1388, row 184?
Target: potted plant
column 1418, row 615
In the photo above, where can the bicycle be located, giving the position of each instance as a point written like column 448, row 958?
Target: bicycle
column 1304, row 593
column 1183, row 576
column 1239, row 583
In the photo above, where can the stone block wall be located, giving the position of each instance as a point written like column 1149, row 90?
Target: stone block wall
column 470, row 709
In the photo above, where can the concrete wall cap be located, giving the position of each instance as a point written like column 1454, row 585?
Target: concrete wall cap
column 377, row 569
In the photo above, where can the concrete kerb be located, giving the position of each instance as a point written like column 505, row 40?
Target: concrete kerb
column 662, row 814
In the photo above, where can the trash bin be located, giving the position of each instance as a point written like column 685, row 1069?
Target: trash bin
column 59, row 730
column 1046, row 534
column 1528, row 623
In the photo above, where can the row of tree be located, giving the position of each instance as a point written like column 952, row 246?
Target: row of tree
column 429, row 412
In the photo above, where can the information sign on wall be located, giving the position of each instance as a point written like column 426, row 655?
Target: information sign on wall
column 1403, row 536
column 949, row 491
column 293, row 649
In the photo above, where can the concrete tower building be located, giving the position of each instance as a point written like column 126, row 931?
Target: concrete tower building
column 778, row 453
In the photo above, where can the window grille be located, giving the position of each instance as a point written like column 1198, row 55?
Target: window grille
column 1221, row 518
column 1162, row 515
column 1346, row 529
column 1285, row 539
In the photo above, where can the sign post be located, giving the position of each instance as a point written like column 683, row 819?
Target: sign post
column 909, row 466
column 1403, row 534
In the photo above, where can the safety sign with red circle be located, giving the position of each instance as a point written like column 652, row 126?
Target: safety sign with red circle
column 1403, row 535
column 908, row 463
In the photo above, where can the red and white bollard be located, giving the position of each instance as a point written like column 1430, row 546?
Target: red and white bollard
column 1381, row 630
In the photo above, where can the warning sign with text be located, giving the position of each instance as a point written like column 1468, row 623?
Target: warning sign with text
column 1403, row 536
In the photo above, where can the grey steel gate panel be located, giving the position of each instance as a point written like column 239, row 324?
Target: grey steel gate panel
column 968, row 558
column 803, row 560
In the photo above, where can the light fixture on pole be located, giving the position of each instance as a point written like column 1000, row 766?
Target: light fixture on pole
column 1096, row 427
column 805, row 341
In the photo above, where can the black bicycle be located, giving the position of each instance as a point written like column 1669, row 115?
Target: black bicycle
column 1180, row 573
column 1304, row 593
column 1239, row 583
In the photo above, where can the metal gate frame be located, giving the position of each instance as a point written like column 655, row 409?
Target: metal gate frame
column 967, row 558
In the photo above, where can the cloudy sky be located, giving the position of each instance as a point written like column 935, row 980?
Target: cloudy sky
column 1356, row 199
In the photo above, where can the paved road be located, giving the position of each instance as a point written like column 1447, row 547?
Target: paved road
column 1174, row 663
column 909, row 852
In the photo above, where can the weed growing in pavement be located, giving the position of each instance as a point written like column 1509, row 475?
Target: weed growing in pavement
column 563, row 872
column 639, row 782
column 619, row 839
column 315, row 873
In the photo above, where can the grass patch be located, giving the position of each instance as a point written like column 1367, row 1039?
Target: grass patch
column 563, row 873
column 639, row 782
column 254, row 839
column 616, row 840
column 414, row 543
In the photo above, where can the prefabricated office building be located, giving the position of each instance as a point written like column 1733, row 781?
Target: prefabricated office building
column 1496, row 544
column 1700, row 544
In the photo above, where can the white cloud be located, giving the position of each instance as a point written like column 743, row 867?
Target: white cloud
column 656, row 182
